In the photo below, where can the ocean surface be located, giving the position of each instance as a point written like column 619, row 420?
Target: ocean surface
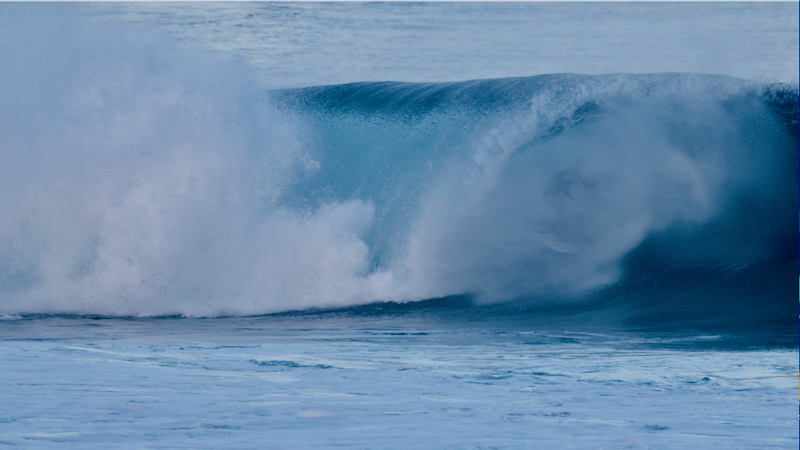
column 399, row 225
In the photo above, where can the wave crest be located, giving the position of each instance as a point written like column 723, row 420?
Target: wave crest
column 148, row 180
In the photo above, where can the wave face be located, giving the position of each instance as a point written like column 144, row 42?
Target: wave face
column 139, row 179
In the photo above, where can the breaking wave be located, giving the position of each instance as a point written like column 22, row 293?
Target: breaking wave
column 142, row 179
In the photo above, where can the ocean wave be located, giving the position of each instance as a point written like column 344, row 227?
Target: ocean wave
column 141, row 179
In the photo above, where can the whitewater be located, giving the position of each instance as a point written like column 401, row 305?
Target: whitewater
column 440, row 225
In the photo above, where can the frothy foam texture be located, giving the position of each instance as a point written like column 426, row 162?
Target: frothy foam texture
column 139, row 178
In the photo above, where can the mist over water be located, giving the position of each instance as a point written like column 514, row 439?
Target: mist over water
column 141, row 176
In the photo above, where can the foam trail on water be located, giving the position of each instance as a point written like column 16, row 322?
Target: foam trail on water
column 144, row 178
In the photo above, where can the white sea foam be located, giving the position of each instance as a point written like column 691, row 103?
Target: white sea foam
column 142, row 176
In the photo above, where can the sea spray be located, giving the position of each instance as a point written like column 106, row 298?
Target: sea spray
column 145, row 178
